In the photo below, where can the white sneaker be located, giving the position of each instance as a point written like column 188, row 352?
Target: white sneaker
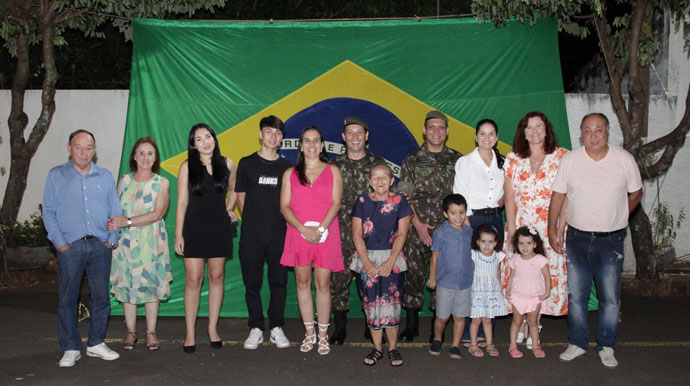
column 571, row 353
column 607, row 358
column 69, row 358
column 278, row 337
column 102, row 351
column 256, row 337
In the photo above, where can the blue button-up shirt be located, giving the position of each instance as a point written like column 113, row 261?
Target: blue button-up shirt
column 454, row 265
column 76, row 205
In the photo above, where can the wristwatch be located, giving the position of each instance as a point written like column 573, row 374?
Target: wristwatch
column 321, row 229
column 129, row 222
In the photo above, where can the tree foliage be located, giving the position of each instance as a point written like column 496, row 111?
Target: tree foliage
column 628, row 43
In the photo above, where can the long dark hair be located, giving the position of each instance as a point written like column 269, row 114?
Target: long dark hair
column 520, row 144
column 528, row 232
column 299, row 167
column 156, row 167
column 499, row 158
column 196, row 168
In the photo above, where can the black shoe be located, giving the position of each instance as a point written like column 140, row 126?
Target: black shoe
column 217, row 344
column 189, row 349
column 340, row 332
column 412, row 328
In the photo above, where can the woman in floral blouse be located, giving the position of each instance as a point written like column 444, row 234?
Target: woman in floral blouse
column 529, row 172
column 380, row 221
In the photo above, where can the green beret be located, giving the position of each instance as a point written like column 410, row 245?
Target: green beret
column 355, row 121
column 436, row 114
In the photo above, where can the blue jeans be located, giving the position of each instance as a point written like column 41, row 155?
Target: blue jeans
column 94, row 258
column 600, row 258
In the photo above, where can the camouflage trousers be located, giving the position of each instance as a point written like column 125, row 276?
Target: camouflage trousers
column 418, row 258
column 341, row 281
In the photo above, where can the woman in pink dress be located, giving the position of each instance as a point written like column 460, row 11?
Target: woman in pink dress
column 309, row 200
column 529, row 172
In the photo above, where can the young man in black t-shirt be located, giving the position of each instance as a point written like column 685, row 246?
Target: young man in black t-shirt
column 259, row 177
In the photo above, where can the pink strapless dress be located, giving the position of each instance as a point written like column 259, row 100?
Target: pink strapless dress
column 310, row 203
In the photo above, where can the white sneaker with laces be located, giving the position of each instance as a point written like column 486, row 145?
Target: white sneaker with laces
column 607, row 358
column 278, row 337
column 102, row 351
column 571, row 353
column 69, row 358
column 255, row 338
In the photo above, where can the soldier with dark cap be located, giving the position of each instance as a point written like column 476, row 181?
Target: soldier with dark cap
column 429, row 173
column 354, row 165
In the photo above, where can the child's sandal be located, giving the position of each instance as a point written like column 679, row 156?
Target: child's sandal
column 492, row 350
column 476, row 351
column 538, row 352
column 395, row 358
column 514, row 352
column 373, row 357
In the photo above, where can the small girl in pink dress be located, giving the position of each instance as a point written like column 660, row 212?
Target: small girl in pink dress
column 529, row 284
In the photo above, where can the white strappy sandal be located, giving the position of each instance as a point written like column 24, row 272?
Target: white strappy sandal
column 309, row 340
column 324, row 347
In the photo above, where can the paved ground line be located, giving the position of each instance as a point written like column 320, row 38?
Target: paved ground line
column 367, row 344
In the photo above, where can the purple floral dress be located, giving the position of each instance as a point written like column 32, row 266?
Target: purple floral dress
column 381, row 296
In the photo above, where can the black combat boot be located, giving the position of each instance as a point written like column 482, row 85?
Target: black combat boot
column 340, row 332
column 412, row 328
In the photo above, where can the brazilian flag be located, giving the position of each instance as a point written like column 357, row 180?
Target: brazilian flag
column 390, row 73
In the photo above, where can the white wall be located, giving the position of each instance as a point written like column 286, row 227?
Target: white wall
column 103, row 112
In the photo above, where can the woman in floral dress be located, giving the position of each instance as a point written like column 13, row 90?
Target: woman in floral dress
column 380, row 221
column 529, row 172
column 140, row 272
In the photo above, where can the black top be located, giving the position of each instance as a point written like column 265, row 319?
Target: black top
column 261, row 180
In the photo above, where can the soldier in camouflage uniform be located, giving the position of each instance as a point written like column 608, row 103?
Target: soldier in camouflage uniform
column 431, row 171
column 354, row 165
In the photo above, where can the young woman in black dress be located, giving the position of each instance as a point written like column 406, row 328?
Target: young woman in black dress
column 203, row 227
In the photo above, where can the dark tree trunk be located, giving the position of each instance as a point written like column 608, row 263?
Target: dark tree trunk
column 23, row 150
column 641, row 234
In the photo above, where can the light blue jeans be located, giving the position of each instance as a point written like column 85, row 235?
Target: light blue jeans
column 599, row 257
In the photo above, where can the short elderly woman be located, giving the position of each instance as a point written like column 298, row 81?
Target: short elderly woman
column 380, row 221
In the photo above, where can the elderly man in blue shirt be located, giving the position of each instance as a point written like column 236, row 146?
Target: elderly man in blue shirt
column 78, row 200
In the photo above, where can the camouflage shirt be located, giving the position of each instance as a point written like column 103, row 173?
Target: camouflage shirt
column 355, row 182
column 432, row 175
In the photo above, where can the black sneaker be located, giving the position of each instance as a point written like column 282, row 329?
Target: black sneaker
column 455, row 352
column 435, row 348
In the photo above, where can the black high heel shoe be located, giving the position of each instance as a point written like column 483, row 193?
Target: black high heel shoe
column 217, row 344
column 189, row 349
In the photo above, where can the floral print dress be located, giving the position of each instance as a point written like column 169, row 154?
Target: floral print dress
column 381, row 296
column 532, row 198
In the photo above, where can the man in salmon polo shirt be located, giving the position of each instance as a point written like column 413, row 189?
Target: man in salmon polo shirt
column 602, row 185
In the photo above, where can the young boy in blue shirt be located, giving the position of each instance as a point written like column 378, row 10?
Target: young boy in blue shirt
column 451, row 273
